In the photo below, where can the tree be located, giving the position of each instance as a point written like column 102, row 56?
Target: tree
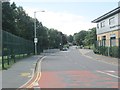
column 85, row 38
column 64, row 39
column 8, row 17
column 25, row 24
column 91, row 37
column 70, row 38
column 79, row 37
column 16, row 21
column 42, row 37
column 54, row 38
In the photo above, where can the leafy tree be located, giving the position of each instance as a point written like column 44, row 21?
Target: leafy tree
column 8, row 17
column 16, row 21
column 64, row 38
column 70, row 38
column 85, row 38
column 42, row 37
column 25, row 24
column 91, row 37
column 79, row 37
column 54, row 38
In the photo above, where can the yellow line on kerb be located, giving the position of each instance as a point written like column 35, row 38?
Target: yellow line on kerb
column 35, row 78
column 38, row 76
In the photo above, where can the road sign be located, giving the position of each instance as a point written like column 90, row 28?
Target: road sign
column 35, row 40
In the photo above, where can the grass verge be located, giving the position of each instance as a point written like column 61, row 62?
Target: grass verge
column 11, row 61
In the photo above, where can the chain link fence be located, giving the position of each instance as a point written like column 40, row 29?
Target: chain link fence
column 109, row 47
column 13, row 47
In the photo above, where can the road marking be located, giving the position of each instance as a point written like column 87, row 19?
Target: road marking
column 36, row 86
column 35, row 76
column 109, row 74
column 111, row 71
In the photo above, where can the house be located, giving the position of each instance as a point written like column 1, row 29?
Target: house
column 108, row 28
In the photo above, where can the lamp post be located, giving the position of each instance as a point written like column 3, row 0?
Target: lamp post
column 35, row 35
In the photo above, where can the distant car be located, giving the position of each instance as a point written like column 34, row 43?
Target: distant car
column 64, row 49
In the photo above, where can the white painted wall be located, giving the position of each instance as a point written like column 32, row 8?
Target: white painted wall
column 107, row 26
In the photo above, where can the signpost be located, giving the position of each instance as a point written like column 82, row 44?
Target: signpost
column 35, row 40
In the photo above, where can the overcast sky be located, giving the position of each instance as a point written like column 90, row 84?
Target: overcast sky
column 68, row 16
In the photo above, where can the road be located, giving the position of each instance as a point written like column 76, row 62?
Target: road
column 70, row 69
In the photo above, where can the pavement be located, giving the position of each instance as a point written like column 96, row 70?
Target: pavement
column 106, row 59
column 0, row 79
column 20, row 72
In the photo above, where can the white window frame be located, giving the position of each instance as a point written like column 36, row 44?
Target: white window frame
column 112, row 21
column 102, row 24
column 103, row 40
column 98, row 26
column 113, row 39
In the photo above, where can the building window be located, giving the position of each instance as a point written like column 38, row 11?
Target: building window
column 113, row 40
column 98, row 25
column 102, row 24
column 98, row 38
column 112, row 21
column 103, row 40
column 98, row 41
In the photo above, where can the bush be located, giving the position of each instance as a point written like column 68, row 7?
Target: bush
column 66, row 46
column 113, row 51
column 95, row 50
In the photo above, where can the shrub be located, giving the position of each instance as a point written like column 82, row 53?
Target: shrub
column 113, row 51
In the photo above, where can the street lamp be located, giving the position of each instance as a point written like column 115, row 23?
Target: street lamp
column 35, row 38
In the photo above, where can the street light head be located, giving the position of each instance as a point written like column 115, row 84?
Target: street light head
column 43, row 11
column 39, row 11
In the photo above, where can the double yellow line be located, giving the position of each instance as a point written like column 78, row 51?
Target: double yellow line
column 35, row 78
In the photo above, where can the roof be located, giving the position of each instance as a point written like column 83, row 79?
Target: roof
column 111, row 13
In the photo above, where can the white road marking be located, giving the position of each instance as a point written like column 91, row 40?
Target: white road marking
column 36, row 86
column 109, row 74
column 111, row 71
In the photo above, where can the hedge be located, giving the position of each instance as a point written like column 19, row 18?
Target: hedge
column 111, row 51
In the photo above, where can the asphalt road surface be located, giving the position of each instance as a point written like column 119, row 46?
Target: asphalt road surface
column 70, row 69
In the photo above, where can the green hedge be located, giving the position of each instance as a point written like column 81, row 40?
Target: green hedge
column 112, row 51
